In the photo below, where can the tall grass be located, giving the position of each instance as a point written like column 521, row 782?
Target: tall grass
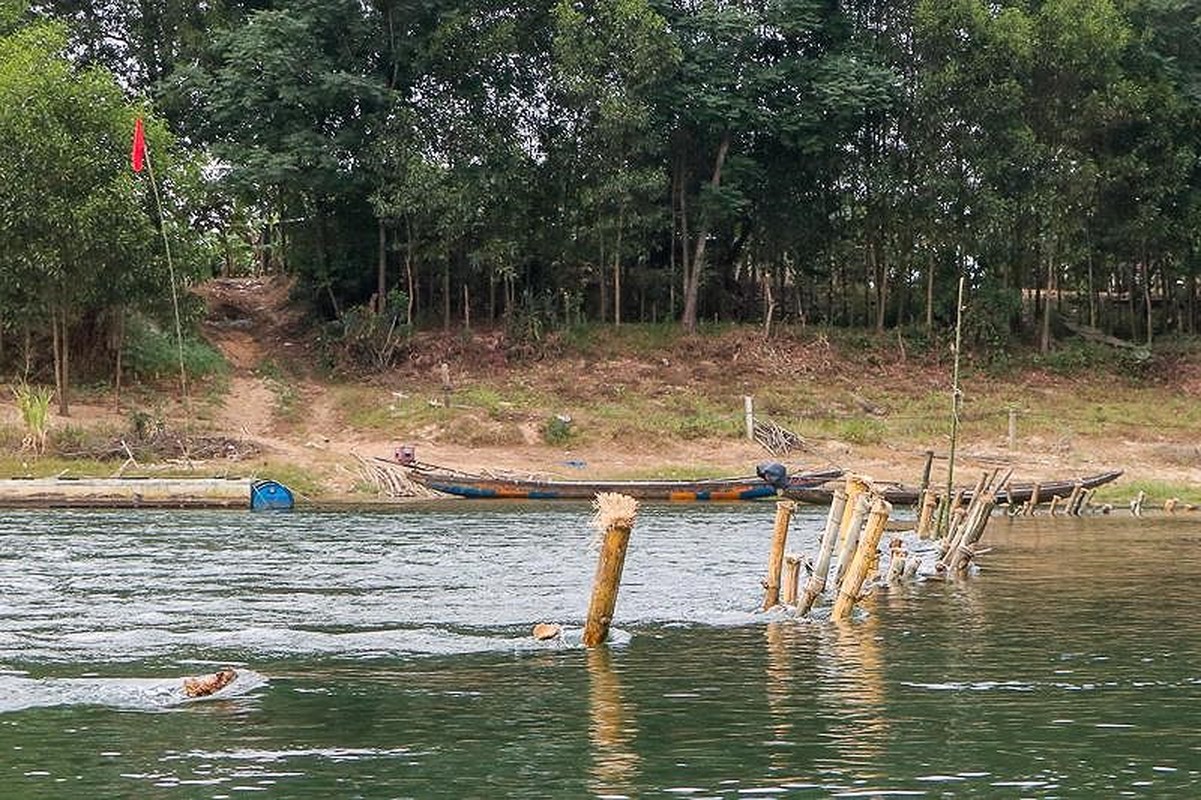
column 34, row 404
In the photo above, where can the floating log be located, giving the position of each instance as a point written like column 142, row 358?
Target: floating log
column 852, row 584
column 775, row 559
column 614, row 517
column 825, row 550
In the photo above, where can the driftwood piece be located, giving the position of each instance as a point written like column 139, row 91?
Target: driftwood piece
column 205, row 685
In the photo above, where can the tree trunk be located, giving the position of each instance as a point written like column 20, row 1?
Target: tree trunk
column 62, row 373
column 685, row 241
column 602, row 280
column 381, row 277
column 1147, row 298
column 1044, row 340
column 410, row 273
column 617, row 270
column 118, row 346
column 880, row 263
column 446, row 295
column 692, row 290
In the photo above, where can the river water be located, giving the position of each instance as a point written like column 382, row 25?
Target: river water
column 388, row 655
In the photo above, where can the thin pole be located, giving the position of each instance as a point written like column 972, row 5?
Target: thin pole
column 162, row 226
column 955, row 400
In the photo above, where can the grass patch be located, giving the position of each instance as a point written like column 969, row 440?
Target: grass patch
column 283, row 386
column 1157, row 492
column 151, row 353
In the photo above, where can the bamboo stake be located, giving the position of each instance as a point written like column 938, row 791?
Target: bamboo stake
column 614, row 517
column 792, row 577
column 973, row 532
column 1051, row 509
column 852, row 584
column 158, row 202
column 1136, row 505
column 1087, row 502
column 956, row 395
column 817, row 581
column 1034, row 498
column 897, row 560
column 775, row 559
column 856, row 485
column 929, row 502
column 852, row 529
column 1074, row 500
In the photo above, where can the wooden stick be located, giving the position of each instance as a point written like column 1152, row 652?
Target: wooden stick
column 821, row 569
column 775, row 559
column 615, row 515
column 852, row 584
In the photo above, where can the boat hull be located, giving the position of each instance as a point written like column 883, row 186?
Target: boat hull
column 1013, row 494
column 479, row 487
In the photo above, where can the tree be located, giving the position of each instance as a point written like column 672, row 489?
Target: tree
column 74, row 239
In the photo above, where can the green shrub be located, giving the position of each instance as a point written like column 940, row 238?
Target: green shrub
column 153, row 354
column 557, row 430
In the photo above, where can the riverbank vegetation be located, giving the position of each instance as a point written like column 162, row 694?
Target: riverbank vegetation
column 546, row 174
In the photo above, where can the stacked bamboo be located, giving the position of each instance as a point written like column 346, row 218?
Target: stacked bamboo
column 854, row 527
column 848, row 555
column 960, row 546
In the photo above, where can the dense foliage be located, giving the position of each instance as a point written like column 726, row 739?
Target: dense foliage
column 540, row 163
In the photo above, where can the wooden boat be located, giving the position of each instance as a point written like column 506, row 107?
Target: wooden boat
column 748, row 487
column 1014, row 493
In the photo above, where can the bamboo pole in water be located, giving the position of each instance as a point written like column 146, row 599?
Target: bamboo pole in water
column 1033, row 504
column 615, row 515
column 850, row 534
column 956, row 399
column 926, row 516
column 852, row 584
column 775, row 559
column 825, row 550
column 855, row 486
column 792, row 576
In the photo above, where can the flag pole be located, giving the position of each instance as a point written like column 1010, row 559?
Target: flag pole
column 162, row 226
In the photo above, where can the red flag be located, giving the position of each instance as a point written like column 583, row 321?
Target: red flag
column 137, row 156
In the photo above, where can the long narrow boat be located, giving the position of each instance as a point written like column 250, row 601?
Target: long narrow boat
column 1014, row 493
column 747, row 487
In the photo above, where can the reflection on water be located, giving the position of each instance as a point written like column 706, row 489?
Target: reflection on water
column 398, row 661
column 612, row 729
